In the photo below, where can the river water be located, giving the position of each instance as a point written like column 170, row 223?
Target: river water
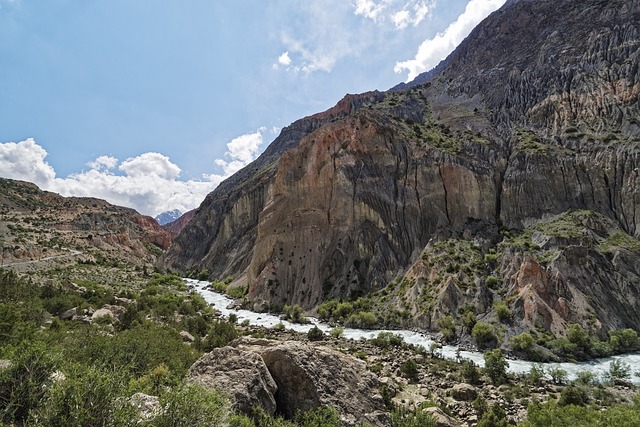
column 220, row 302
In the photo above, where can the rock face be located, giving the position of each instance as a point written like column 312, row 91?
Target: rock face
column 289, row 377
column 240, row 374
column 521, row 126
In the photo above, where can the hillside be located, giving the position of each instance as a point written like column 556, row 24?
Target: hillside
column 43, row 229
column 500, row 189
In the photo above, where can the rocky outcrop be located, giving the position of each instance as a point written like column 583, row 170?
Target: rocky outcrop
column 288, row 377
column 240, row 374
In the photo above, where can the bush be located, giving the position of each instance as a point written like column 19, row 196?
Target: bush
column 294, row 314
column 336, row 332
column 24, row 382
column 522, row 342
column 624, row 340
column 403, row 417
column 409, row 370
column 447, row 328
column 503, row 312
column 315, row 334
column 88, row 396
column 535, row 375
column 323, row 416
column 618, row 370
column 470, row 372
column 362, row 319
column 494, row 417
column 484, row 334
column 558, row 375
column 573, row 395
column 192, row 405
column 387, row 339
column 495, row 366
column 220, row 334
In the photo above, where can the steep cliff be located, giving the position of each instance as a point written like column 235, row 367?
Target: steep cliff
column 531, row 119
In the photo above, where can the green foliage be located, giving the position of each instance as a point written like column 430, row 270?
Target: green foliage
column 336, row 332
column 315, row 334
column 492, row 282
column 618, row 370
column 586, row 378
column 578, row 336
column 362, row 319
column 403, row 417
column 624, row 340
column 192, row 405
column 480, row 405
column 469, row 372
column 237, row 292
column 294, row 314
column 551, row 414
column 495, row 366
column 87, row 396
column 535, row 375
column 484, row 334
column 220, row 334
column 24, row 382
column 495, row 416
column 409, row 370
column 502, row 311
column 522, row 342
column 387, row 339
column 558, row 375
column 323, row 416
column 573, row 395
column 447, row 328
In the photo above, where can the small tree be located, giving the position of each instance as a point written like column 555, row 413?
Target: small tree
column 495, row 366
column 484, row 334
column 558, row 376
column 618, row 370
column 315, row 334
column 447, row 328
column 409, row 370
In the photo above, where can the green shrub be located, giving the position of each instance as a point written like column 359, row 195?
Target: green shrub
column 492, row 282
column 618, row 370
column 484, row 334
column 387, row 339
column 237, row 292
column 336, row 332
column 24, row 382
column 470, row 372
column 447, row 328
column 503, row 312
column 315, row 334
column 522, row 342
column 362, row 319
column 220, row 334
column 558, row 376
column 323, row 416
column 403, row 417
column 494, row 417
column 294, row 314
column 624, row 340
column 192, row 405
column 409, row 370
column 535, row 375
column 573, row 395
column 495, row 366
column 88, row 396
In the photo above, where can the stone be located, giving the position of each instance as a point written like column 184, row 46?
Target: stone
column 69, row 314
column 148, row 406
column 240, row 374
column 187, row 337
column 102, row 312
column 310, row 376
column 442, row 419
column 464, row 392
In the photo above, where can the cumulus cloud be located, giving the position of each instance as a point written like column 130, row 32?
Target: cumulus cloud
column 25, row 160
column 241, row 151
column 148, row 183
column 413, row 16
column 434, row 50
column 284, row 59
column 370, row 8
column 103, row 163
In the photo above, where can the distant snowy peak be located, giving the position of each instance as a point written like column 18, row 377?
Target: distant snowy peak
column 168, row 216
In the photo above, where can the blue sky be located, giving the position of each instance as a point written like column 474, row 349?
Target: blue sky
column 151, row 103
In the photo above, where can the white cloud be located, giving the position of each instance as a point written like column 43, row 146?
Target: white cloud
column 103, row 163
column 369, row 8
column 412, row 16
column 284, row 59
column 25, row 160
column 434, row 50
column 148, row 183
column 241, row 151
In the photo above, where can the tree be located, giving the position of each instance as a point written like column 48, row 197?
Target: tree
column 483, row 334
column 495, row 366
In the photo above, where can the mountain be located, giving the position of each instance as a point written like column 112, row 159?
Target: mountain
column 38, row 225
column 179, row 223
column 501, row 188
column 169, row 216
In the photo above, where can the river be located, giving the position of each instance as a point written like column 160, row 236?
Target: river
column 597, row 366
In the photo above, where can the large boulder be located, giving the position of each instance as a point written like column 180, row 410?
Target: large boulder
column 241, row 374
column 311, row 376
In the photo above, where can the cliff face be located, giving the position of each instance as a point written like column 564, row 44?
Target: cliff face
column 533, row 117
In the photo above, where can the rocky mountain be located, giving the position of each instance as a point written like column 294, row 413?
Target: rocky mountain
column 179, row 223
column 500, row 188
column 168, row 216
column 38, row 225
